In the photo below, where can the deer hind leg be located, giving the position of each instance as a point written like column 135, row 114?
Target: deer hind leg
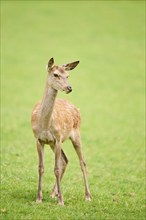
column 76, row 140
column 63, row 164
column 40, row 149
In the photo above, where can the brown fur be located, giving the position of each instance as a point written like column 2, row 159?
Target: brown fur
column 53, row 121
column 65, row 118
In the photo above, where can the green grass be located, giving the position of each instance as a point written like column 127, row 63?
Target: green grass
column 108, row 87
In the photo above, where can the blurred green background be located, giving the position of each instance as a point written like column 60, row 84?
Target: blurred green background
column 108, row 37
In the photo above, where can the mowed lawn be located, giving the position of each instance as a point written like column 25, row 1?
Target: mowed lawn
column 108, row 88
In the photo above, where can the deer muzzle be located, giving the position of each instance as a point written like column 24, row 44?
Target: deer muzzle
column 68, row 89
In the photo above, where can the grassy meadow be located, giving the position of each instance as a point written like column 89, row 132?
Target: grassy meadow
column 108, row 87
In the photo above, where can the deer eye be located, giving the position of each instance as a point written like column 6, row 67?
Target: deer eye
column 56, row 75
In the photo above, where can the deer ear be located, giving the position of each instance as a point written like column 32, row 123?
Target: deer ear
column 70, row 66
column 50, row 62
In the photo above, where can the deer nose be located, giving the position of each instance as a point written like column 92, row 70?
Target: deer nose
column 69, row 89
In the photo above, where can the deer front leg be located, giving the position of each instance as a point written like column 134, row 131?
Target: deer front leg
column 40, row 149
column 57, row 172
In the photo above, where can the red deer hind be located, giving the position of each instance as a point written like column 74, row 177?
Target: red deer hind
column 54, row 121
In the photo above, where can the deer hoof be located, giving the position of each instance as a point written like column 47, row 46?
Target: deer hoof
column 61, row 203
column 60, row 200
column 53, row 195
column 38, row 201
column 88, row 198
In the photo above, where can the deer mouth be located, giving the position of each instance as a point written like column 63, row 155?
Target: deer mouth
column 67, row 92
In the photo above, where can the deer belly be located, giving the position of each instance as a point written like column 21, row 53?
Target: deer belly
column 66, row 131
column 46, row 136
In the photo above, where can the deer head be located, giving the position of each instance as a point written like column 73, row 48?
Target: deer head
column 58, row 75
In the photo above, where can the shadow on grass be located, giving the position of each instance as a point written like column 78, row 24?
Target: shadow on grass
column 29, row 197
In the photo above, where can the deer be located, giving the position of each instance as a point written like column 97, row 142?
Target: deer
column 53, row 121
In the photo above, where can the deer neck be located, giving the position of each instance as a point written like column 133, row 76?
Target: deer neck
column 46, row 107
